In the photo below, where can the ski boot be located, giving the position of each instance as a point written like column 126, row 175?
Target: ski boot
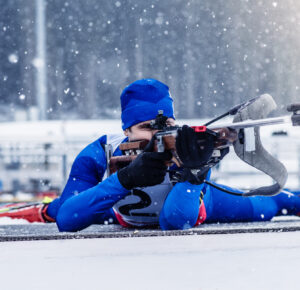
column 32, row 212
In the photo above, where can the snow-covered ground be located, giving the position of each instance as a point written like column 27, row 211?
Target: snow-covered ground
column 240, row 261
column 9, row 221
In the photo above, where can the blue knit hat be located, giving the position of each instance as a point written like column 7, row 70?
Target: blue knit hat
column 141, row 100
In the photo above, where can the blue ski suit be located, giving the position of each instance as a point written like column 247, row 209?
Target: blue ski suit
column 88, row 198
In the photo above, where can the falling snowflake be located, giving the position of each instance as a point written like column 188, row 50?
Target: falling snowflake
column 13, row 58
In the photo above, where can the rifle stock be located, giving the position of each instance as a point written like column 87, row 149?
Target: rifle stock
column 167, row 141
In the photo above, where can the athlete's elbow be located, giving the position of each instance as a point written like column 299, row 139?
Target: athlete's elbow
column 68, row 222
column 65, row 226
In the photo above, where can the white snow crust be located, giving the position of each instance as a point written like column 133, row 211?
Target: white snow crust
column 10, row 221
column 240, row 261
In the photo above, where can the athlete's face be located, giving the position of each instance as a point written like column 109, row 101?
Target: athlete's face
column 143, row 131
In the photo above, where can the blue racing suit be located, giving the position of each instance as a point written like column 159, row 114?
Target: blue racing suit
column 89, row 198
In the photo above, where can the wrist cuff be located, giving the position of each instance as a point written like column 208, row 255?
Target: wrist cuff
column 123, row 179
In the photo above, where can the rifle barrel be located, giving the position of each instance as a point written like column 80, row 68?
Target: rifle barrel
column 253, row 123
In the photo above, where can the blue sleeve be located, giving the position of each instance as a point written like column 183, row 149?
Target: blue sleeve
column 84, row 200
column 87, row 171
column 82, row 210
column 181, row 207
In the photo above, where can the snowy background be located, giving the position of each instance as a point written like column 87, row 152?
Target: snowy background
column 212, row 54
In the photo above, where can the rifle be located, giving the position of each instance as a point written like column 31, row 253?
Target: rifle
column 243, row 134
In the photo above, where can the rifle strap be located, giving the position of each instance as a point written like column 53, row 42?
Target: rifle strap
column 251, row 150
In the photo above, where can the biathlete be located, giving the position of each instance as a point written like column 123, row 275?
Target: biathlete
column 143, row 193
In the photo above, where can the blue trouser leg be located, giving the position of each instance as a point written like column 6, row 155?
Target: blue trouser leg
column 288, row 204
column 223, row 207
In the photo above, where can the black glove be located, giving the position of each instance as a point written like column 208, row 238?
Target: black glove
column 194, row 149
column 147, row 169
column 197, row 176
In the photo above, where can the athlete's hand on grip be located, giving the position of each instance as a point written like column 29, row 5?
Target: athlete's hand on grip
column 147, row 169
column 194, row 149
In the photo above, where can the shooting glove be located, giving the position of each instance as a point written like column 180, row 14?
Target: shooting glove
column 147, row 169
column 197, row 176
column 194, row 150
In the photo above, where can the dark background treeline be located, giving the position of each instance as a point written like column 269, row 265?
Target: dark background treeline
column 212, row 54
